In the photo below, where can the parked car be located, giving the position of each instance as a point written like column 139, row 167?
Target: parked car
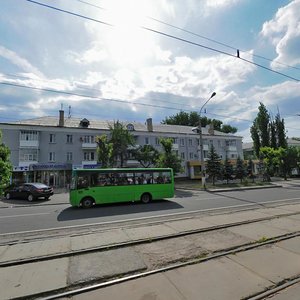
column 28, row 191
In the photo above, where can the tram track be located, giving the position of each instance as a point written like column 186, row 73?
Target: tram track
column 139, row 241
column 168, row 262
column 84, row 288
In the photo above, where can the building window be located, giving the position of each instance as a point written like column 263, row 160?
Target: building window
column 29, row 135
column 28, row 155
column 190, row 142
column 191, row 155
column 157, row 141
column 69, row 156
column 175, row 140
column 69, row 138
column 205, row 154
column 231, row 143
column 89, row 156
column 52, row 138
column 146, row 140
column 181, row 142
column 88, row 139
column 51, row 156
column 182, row 155
column 130, row 127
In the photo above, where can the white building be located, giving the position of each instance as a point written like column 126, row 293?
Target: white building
column 46, row 149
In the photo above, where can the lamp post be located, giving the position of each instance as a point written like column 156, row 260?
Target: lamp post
column 201, row 144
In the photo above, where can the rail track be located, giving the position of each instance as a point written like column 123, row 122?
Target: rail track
column 90, row 286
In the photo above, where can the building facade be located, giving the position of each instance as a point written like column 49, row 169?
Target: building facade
column 47, row 149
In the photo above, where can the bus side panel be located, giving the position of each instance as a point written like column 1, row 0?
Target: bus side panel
column 157, row 191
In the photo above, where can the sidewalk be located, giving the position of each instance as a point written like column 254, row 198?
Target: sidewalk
column 233, row 276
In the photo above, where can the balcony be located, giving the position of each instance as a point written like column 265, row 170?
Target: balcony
column 89, row 162
column 231, row 148
column 132, row 163
column 29, row 144
column 89, row 145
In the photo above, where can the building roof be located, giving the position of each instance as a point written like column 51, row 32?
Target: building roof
column 53, row 121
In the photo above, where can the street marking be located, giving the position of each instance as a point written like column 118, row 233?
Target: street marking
column 29, row 215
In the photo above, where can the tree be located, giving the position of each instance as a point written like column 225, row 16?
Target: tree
column 146, row 155
column 193, row 119
column 271, row 159
column 260, row 128
column 256, row 139
column 213, row 167
column 240, row 169
column 227, row 170
column 168, row 158
column 104, row 151
column 289, row 160
column 5, row 165
column 280, row 130
column 273, row 135
column 121, row 139
column 250, row 169
column 266, row 133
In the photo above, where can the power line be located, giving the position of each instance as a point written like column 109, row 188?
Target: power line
column 86, row 96
column 203, row 37
column 121, row 101
column 90, row 89
column 166, row 35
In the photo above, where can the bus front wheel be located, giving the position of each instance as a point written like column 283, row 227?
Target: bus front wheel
column 87, row 202
column 146, row 198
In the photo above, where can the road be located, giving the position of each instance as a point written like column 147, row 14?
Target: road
column 28, row 217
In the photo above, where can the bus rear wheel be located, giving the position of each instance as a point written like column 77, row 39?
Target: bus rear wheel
column 87, row 202
column 146, row 198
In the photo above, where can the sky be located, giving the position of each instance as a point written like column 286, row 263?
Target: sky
column 138, row 59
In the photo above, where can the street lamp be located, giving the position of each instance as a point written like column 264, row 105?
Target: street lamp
column 201, row 144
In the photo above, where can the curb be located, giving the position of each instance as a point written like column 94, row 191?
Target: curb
column 230, row 189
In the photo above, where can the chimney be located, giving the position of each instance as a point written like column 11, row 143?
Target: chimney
column 211, row 129
column 149, row 124
column 61, row 122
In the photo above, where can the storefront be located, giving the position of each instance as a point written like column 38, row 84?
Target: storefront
column 56, row 175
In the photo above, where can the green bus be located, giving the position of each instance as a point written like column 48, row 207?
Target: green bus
column 99, row 186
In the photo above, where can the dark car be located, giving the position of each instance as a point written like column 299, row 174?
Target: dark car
column 28, row 191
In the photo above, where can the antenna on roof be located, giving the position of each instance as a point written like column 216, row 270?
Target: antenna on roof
column 69, row 114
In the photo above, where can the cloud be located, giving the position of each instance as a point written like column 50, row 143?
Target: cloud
column 220, row 3
column 284, row 33
column 22, row 63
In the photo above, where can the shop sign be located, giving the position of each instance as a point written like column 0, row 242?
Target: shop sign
column 51, row 167
column 96, row 166
column 20, row 169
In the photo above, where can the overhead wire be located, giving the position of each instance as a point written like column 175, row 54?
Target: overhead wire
column 166, row 35
column 90, row 89
column 202, row 36
column 148, row 29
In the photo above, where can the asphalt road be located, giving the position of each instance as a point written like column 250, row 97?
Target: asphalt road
column 45, row 216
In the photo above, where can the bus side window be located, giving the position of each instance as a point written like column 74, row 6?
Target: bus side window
column 83, row 182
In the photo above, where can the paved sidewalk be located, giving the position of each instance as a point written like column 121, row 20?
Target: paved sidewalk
column 230, row 277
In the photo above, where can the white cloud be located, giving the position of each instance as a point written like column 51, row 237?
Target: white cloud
column 220, row 3
column 284, row 33
column 22, row 63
